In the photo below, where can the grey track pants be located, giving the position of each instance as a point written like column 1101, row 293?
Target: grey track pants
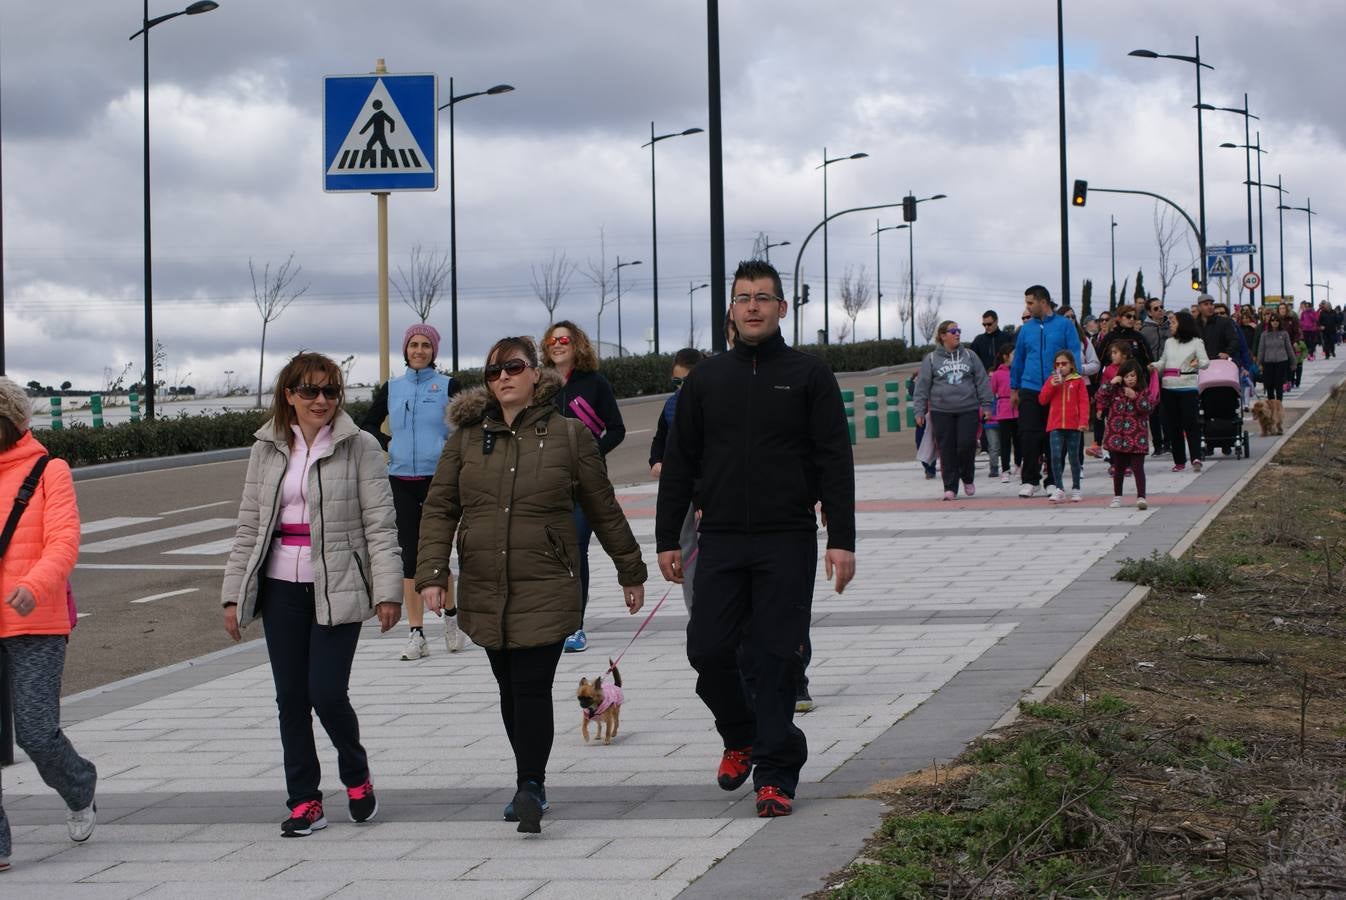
column 35, row 665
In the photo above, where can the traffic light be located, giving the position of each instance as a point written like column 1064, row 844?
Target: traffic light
column 909, row 208
column 1196, row 279
column 804, row 295
column 1081, row 192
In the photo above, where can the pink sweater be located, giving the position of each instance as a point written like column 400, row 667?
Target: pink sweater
column 1000, row 388
column 289, row 562
column 612, row 696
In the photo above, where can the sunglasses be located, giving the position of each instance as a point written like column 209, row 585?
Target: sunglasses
column 1024, row 318
column 562, row 339
column 987, row 324
column 954, row 331
column 1064, row 365
column 677, row 382
column 1127, row 316
column 311, row 391
column 513, row 368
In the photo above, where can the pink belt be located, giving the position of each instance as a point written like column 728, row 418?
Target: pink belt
column 293, row 534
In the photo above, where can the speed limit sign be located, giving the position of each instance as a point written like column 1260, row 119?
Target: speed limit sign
column 1252, row 281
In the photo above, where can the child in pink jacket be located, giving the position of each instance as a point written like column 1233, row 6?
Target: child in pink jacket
column 1002, row 427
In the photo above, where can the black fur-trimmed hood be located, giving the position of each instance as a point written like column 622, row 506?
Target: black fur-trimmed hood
column 472, row 405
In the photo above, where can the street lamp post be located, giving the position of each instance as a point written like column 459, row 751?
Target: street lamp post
column 1200, row 152
column 654, row 224
column 691, row 312
column 453, row 206
column 621, row 348
column 827, row 162
column 911, row 261
column 1248, row 177
column 766, row 250
column 1261, row 234
column 1112, row 294
column 146, row 23
column 1307, row 208
column 878, row 269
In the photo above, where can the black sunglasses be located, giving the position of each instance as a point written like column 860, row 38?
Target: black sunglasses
column 513, row 368
column 311, row 391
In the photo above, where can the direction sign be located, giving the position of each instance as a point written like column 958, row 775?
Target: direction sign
column 1252, row 281
column 1232, row 250
column 379, row 133
column 1219, row 266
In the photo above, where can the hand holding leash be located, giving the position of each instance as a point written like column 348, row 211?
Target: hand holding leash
column 635, row 597
column 670, row 566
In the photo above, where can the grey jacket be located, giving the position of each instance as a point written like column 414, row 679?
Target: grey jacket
column 1275, row 347
column 1155, row 334
column 951, row 381
column 356, row 560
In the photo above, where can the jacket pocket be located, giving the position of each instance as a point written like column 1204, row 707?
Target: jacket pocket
column 558, row 550
column 364, row 579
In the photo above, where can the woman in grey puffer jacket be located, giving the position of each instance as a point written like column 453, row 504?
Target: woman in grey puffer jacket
column 953, row 386
column 315, row 555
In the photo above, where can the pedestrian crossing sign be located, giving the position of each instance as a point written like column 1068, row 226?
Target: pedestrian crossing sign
column 379, row 133
column 1219, row 266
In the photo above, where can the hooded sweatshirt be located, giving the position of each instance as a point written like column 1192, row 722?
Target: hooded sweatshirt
column 952, row 381
column 1067, row 402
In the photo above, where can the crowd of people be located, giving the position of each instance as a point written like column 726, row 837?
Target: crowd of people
column 1129, row 378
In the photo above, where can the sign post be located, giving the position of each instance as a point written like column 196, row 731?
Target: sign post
column 380, row 136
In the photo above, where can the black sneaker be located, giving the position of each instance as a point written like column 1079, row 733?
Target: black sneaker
column 512, row 816
column 528, row 808
column 305, row 819
column 803, row 702
column 364, row 805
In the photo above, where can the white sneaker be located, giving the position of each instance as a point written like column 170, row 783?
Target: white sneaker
column 453, row 635
column 1116, row 503
column 1057, row 496
column 1028, row 490
column 80, row 823
column 1141, row 504
column 416, row 647
column 1005, row 477
column 1076, row 496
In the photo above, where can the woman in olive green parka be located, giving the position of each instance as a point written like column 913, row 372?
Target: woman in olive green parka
column 503, row 494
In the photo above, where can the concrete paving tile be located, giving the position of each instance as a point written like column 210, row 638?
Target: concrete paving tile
column 146, row 851
column 247, row 890
column 428, row 871
column 195, row 872
column 607, row 890
column 469, row 890
column 583, row 871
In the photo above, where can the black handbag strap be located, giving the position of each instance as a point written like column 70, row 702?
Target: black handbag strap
column 26, row 491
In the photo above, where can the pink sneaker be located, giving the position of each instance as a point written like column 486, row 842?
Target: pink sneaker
column 969, row 488
column 948, row 495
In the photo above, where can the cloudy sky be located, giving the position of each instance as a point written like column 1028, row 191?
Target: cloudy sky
column 957, row 97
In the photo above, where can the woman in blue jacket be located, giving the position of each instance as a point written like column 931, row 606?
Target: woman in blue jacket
column 414, row 404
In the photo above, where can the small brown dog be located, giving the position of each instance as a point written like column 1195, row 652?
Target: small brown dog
column 1270, row 416
column 602, row 703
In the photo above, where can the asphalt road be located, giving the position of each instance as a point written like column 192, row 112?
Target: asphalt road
column 154, row 544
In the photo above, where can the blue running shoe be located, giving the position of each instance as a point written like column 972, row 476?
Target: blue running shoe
column 577, row 642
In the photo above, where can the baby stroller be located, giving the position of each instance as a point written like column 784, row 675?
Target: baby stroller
column 1222, row 408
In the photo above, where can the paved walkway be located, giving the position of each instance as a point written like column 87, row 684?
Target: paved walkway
column 957, row 610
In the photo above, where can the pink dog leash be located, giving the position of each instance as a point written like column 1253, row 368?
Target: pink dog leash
column 613, row 664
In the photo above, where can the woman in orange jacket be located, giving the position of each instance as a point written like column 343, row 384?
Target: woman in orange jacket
column 35, row 616
column 1066, row 396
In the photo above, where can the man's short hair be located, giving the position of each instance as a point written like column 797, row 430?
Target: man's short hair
column 1038, row 292
column 990, row 313
column 753, row 269
column 687, row 357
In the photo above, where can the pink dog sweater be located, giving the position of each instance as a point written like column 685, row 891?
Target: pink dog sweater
column 612, row 696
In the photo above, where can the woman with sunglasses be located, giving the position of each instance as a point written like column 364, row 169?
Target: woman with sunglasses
column 314, row 556
column 504, row 492
column 1275, row 356
column 585, row 395
column 413, row 405
column 953, row 384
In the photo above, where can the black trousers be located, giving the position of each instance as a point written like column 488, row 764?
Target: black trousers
column 1033, row 437
column 1180, row 407
column 754, row 591
column 956, row 437
column 1274, row 376
column 525, row 677
column 311, row 666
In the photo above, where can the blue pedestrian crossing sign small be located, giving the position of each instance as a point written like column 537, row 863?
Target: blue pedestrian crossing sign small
column 379, row 133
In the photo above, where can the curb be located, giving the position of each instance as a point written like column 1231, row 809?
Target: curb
column 157, row 463
column 1059, row 675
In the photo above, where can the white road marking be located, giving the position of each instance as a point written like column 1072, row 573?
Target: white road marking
column 80, row 615
column 214, row 548
column 163, row 596
column 174, row 512
column 158, row 535
column 137, row 567
column 98, row 525
column 641, row 431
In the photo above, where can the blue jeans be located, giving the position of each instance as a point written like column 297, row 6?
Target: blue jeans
column 1066, row 444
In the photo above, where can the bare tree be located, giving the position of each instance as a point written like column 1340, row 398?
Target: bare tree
column 551, row 280
column 346, row 365
column 273, row 294
column 927, row 314
column 844, row 331
column 855, row 296
column 904, row 305
column 420, row 288
column 601, row 277
column 1168, row 233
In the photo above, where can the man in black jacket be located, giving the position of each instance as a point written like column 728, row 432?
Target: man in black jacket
column 1217, row 332
column 987, row 344
column 761, row 434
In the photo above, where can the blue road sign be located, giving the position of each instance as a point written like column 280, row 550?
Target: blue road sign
column 1218, row 265
column 1232, row 250
column 379, row 133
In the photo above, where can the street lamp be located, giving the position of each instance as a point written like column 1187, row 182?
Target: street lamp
column 1280, row 216
column 1248, row 177
column 878, row 269
column 453, row 206
column 911, row 261
column 1261, row 231
column 691, row 312
column 146, row 23
column 827, row 162
column 766, row 251
column 1200, row 153
column 654, row 223
column 621, row 348
column 1308, row 209
column 1112, row 294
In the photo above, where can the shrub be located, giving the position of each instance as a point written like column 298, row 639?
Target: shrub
column 1188, row 573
